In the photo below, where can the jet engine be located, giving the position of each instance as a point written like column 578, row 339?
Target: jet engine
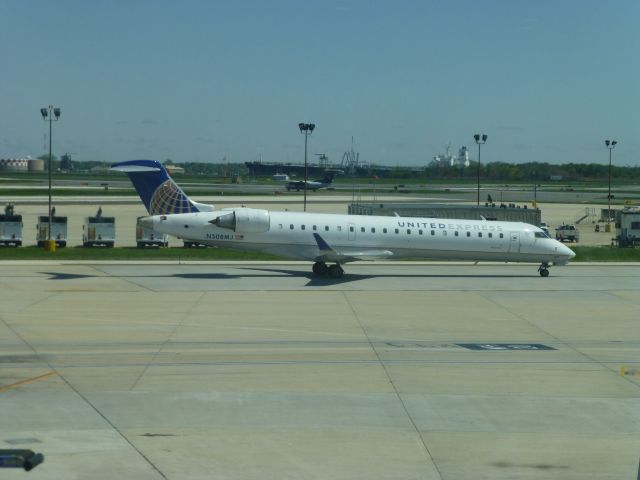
column 244, row 220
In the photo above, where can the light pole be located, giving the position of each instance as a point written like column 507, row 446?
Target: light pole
column 610, row 145
column 480, row 140
column 306, row 129
column 47, row 115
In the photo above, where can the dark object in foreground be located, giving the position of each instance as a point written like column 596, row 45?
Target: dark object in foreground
column 26, row 459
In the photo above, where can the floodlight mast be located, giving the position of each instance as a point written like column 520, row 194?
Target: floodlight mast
column 306, row 129
column 48, row 115
column 480, row 140
column 610, row 144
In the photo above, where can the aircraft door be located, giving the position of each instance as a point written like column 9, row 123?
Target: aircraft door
column 351, row 231
column 514, row 242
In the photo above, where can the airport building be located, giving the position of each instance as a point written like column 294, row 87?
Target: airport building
column 503, row 212
column 21, row 165
column 14, row 164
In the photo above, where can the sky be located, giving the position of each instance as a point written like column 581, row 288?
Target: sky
column 209, row 80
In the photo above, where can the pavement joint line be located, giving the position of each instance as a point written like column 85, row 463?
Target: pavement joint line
column 26, row 381
column 590, row 359
column 427, row 363
column 124, row 278
column 85, row 399
column 395, row 389
column 32, row 304
column 168, row 339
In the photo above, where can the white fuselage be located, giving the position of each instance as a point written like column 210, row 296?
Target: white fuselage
column 290, row 234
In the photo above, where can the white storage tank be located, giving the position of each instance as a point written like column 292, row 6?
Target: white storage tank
column 35, row 165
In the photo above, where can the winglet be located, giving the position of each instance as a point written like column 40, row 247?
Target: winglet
column 322, row 245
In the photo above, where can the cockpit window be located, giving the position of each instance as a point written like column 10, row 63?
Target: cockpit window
column 541, row 235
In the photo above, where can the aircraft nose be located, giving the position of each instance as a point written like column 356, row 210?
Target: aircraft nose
column 567, row 251
column 146, row 222
column 563, row 254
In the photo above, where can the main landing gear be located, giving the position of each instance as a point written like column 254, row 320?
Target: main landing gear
column 544, row 269
column 321, row 269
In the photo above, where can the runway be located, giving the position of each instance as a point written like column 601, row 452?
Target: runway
column 260, row 370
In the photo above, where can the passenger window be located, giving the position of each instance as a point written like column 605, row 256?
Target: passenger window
column 339, row 228
column 351, row 229
column 408, row 232
column 315, row 228
column 362, row 229
column 280, row 226
column 490, row 235
column 291, row 227
column 419, row 232
column 456, row 233
column 373, row 230
column 468, row 234
column 302, row 227
column 384, row 230
column 433, row 232
column 480, row 234
column 444, row 233
column 326, row 228
column 501, row 236
column 397, row 231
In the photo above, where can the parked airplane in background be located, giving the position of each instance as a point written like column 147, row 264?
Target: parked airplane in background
column 335, row 239
column 311, row 184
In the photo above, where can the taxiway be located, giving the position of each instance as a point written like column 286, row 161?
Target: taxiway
column 259, row 370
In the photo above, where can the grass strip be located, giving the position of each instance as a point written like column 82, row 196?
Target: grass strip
column 606, row 254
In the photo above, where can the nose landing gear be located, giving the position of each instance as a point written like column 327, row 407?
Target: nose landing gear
column 321, row 269
column 544, row 269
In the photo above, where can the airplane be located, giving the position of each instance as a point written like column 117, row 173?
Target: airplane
column 335, row 239
column 311, row 184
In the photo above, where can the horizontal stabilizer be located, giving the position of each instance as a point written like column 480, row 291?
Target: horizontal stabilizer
column 134, row 168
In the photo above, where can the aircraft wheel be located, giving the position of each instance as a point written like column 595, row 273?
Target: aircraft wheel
column 335, row 271
column 320, row 268
column 544, row 272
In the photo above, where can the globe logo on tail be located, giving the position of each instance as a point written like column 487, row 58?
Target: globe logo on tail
column 168, row 198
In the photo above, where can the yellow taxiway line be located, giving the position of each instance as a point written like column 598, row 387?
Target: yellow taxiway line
column 23, row 382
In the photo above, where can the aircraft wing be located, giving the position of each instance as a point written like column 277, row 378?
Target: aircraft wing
column 328, row 254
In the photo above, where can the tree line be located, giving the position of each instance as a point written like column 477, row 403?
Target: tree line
column 499, row 171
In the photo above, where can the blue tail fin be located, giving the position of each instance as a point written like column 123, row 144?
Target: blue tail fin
column 328, row 178
column 158, row 191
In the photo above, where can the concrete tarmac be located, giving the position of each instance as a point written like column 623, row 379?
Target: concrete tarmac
column 260, row 370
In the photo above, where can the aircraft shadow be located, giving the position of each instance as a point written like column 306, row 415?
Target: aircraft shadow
column 275, row 273
column 313, row 280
